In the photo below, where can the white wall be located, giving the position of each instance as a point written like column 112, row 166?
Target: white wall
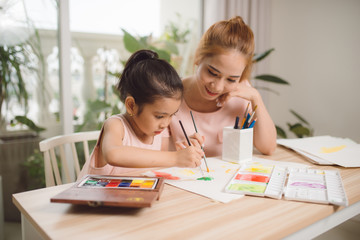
column 317, row 46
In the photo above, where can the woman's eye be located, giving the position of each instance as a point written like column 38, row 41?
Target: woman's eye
column 212, row 73
column 231, row 80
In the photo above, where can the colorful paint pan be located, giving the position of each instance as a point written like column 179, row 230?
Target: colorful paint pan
column 252, row 178
column 120, row 182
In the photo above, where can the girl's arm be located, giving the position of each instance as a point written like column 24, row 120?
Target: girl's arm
column 115, row 153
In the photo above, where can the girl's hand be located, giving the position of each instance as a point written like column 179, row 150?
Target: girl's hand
column 196, row 140
column 189, row 157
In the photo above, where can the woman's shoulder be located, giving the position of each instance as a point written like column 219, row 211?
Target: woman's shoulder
column 187, row 80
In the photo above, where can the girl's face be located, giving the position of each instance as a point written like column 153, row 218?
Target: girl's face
column 155, row 117
column 220, row 74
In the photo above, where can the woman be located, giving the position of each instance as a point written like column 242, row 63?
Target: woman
column 220, row 90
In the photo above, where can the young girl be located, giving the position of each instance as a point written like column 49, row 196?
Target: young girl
column 151, row 91
column 220, row 89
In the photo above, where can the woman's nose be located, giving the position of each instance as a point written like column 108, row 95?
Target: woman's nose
column 218, row 85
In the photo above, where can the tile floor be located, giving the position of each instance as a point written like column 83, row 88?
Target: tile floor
column 349, row 230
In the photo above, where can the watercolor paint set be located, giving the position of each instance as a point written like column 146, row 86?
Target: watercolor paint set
column 297, row 184
column 118, row 182
column 119, row 191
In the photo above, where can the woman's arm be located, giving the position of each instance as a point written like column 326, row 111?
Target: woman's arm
column 116, row 154
column 264, row 129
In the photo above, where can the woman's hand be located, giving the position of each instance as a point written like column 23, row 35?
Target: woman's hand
column 243, row 90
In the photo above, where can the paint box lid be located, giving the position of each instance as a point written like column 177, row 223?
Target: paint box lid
column 117, row 191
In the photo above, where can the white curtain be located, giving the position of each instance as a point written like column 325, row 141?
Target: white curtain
column 256, row 13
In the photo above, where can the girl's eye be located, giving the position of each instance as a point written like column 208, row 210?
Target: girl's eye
column 159, row 117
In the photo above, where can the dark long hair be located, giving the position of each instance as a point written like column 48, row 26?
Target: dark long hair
column 146, row 78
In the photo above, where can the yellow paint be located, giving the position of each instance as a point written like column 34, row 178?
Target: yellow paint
column 188, row 172
column 260, row 168
column 136, row 181
column 332, row 149
column 227, row 171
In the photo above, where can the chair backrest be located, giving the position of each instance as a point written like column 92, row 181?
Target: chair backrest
column 49, row 147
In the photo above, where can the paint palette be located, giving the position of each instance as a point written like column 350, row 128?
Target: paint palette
column 303, row 184
column 313, row 185
column 119, row 191
column 259, row 180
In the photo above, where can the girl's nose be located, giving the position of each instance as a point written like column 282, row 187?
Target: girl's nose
column 165, row 123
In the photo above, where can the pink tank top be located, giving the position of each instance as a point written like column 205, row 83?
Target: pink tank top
column 130, row 139
column 209, row 125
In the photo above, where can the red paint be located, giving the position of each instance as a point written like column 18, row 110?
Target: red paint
column 166, row 175
column 252, row 177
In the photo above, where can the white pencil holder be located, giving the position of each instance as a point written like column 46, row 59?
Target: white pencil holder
column 237, row 144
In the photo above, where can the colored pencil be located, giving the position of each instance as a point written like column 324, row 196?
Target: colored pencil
column 187, row 139
column 252, row 123
column 207, row 168
column 244, row 118
column 236, row 126
column 252, row 115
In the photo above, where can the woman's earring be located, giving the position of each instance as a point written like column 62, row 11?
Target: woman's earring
column 218, row 103
column 130, row 114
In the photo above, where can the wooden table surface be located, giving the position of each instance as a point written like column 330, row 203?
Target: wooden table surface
column 182, row 215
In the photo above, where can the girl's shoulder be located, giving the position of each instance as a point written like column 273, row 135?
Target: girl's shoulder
column 115, row 121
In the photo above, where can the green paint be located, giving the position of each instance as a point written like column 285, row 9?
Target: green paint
column 205, row 178
column 247, row 187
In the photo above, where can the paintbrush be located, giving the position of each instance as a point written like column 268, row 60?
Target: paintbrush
column 188, row 141
column 207, row 168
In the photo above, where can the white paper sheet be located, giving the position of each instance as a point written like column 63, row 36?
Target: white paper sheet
column 340, row 151
column 221, row 172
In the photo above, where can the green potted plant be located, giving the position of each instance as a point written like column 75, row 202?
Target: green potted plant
column 302, row 128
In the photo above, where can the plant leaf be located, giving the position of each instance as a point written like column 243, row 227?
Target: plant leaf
column 299, row 117
column 162, row 53
column 26, row 121
column 131, row 43
column 280, row 132
column 171, row 47
column 299, row 130
column 261, row 56
column 98, row 106
column 271, row 78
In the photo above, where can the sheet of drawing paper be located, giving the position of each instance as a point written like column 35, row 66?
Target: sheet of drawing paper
column 221, row 172
column 340, row 151
column 189, row 179
column 313, row 158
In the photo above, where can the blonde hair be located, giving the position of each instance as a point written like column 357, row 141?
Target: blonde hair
column 223, row 36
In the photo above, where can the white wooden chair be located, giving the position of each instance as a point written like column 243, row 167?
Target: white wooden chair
column 58, row 143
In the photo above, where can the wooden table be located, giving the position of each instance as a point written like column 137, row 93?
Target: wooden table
column 182, row 215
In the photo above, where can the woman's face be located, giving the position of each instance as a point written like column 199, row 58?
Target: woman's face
column 220, row 74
